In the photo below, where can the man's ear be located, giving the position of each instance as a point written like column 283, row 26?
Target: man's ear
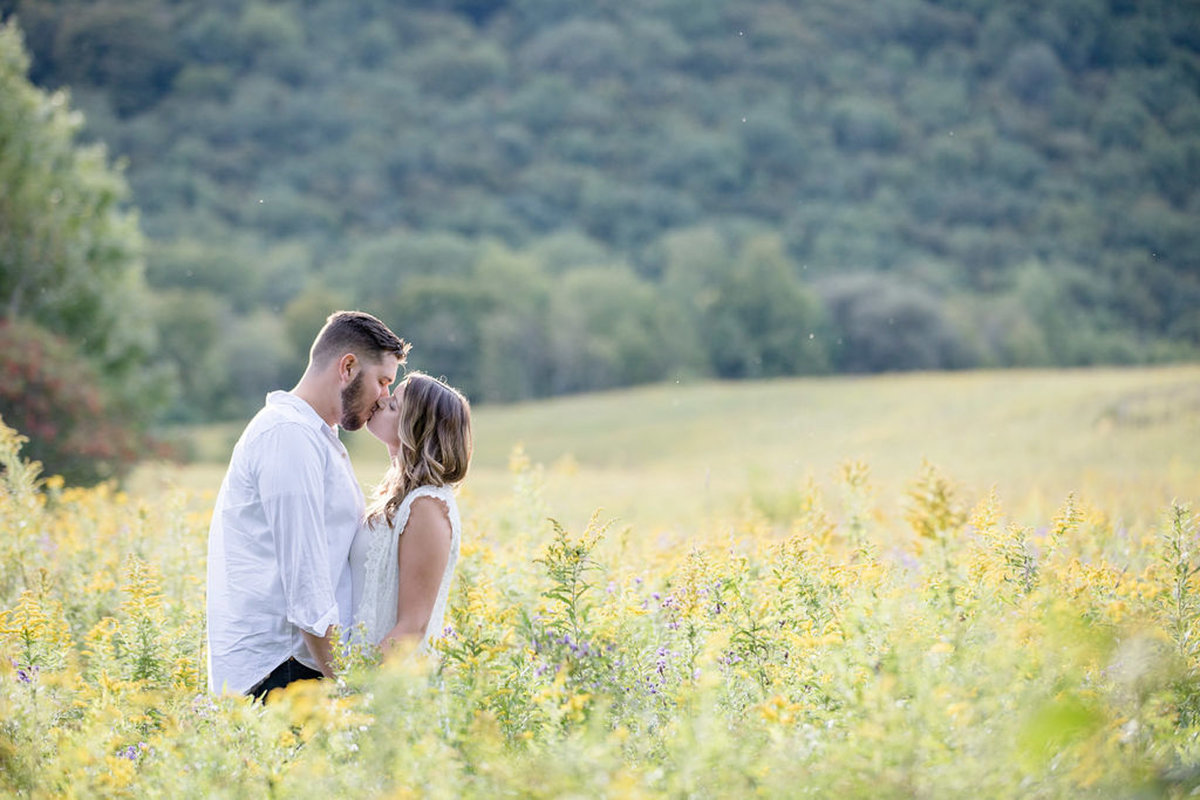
column 347, row 364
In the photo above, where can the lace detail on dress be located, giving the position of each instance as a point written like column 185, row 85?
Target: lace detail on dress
column 381, row 575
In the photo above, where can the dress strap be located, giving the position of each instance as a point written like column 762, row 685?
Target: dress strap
column 443, row 494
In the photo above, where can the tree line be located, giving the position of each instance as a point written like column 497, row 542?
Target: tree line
column 553, row 197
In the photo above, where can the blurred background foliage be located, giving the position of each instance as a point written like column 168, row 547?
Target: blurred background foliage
column 551, row 197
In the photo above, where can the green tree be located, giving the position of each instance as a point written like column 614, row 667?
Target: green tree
column 883, row 324
column 278, row 145
column 306, row 314
column 191, row 326
column 514, row 333
column 255, row 356
column 442, row 316
column 762, row 321
column 70, row 248
column 125, row 47
column 611, row 328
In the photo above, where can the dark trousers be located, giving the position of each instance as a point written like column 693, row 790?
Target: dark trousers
column 287, row 672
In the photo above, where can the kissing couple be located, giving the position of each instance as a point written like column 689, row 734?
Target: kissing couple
column 295, row 553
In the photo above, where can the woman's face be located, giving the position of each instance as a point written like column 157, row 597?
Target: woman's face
column 384, row 424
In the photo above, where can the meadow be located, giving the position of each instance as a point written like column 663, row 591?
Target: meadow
column 896, row 586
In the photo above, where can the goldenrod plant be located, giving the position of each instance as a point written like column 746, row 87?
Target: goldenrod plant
column 951, row 650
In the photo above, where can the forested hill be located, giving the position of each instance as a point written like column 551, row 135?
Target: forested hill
column 560, row 195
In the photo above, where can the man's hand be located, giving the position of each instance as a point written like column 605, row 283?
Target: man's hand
column 321, row 650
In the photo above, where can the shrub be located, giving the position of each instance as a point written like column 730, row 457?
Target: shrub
column 56, row 398
column 884, row 323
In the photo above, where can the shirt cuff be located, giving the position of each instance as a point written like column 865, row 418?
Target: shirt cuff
column 322, row 625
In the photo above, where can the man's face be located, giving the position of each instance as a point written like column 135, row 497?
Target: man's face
column 366, row 390
column 385, row 422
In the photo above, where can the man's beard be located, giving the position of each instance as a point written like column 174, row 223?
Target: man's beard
column 354, row 417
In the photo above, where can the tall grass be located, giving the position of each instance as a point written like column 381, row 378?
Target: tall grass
column 917, row 629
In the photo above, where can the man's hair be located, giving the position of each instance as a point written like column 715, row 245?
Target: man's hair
column 356, row 332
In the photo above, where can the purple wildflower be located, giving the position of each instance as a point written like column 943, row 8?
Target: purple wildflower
column 134, row 751
column 203, row 706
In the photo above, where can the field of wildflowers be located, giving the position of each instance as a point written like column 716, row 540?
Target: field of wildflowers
column 830, row 648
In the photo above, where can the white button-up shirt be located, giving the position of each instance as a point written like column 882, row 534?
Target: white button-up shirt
column 279, row 543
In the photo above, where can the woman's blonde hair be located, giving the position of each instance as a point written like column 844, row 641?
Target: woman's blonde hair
column 435, row 443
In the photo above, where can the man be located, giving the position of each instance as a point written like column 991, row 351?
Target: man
column 288, row 509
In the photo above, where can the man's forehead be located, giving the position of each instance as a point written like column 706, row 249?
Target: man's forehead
column 390, row 364
column 384, row 364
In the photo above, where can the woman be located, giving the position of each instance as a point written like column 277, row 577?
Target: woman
column 404, row 554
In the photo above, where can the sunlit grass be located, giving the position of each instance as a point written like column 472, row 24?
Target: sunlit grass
column 671, row 455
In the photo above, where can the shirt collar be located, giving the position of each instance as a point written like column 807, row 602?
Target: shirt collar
column 306, row 412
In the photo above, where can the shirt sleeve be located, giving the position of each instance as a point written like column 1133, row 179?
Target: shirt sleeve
column 291, row 485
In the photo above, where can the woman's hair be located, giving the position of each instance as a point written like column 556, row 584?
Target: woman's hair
column 435, row 443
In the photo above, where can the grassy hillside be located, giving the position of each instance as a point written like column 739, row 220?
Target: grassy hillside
column 667, row 457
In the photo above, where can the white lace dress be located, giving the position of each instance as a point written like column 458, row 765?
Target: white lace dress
column 376, row 570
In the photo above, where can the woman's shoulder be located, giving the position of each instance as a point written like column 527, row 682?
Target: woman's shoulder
column 438, row 499
column 443, row 493
column 434, row 507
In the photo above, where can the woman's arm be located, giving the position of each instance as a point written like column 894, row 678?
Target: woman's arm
column 423, row 553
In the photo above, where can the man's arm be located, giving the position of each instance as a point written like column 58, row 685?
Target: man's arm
column 321, row 650
column 292, row 488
